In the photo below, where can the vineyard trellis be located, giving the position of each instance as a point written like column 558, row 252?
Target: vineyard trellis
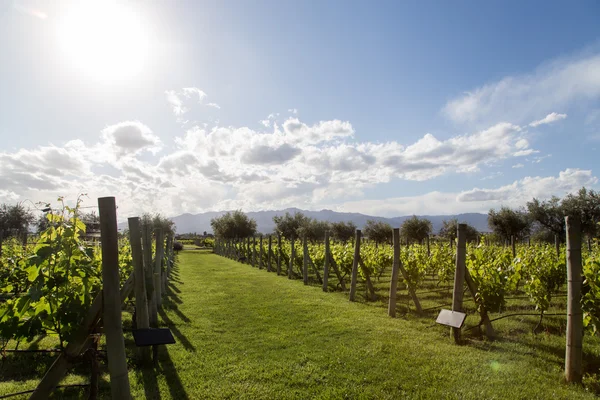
column 491, row 273
column 61, row 285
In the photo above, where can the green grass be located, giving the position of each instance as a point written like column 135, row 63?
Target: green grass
column 245, row 333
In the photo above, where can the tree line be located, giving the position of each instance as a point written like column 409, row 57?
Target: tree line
column 538, row 220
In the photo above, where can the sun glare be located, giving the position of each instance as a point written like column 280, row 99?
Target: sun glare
column 104, row 40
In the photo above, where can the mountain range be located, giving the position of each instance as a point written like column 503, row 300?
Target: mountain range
column 188, row 223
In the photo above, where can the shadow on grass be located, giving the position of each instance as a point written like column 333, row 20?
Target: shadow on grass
column 174, row 383
column 171, row 325
column 150, row 383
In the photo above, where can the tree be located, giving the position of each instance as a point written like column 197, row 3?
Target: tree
column 450, row 227
column 548, row 214
column 289, row 225
column 233, row 225
column 378, row 231
column 506, row 223
column 14, row 220
column 343, row 231
column 415, row 228
column 314, row 229
column 586, row 206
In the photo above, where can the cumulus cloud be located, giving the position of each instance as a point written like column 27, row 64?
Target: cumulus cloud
column 524, row 97
column 548, row 119
column 131, row 137
column 518, row 165
column 180, row 101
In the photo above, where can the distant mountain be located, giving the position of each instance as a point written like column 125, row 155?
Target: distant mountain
column 187, row 223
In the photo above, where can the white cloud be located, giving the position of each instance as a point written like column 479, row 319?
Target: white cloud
column 293, row 110
column 548, row 119
column 131, row 137
column 518, row 165
column 516, row 194
column 522, row 98
column 180, row 101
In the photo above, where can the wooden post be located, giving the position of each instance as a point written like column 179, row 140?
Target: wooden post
column 292, row 256
column 574, row 351
column 485, row 319
column 158, row 258
column 304, row 260
column 459, row 275
column 278, row 253
column 395, row 271
column 269, row 254
column 149, row 275
column 355, row 265
column 557, row 245
column 113, row 328
column 589, row 244
column 142, row 319
column 451, row 243
column 248, row 252
column 326, row 266
column 428, row 248
column 260, row 252
column 254, row 263
column 513, row 245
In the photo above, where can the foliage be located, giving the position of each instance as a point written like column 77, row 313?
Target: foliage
column 233, row 225
column 591, row 291
column 14, row 220
column 415, row 229
column 378, row 231
column 289, row 225
column 449, row 230
column 507, row 222
column 343, row 231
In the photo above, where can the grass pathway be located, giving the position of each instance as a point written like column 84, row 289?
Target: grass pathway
column 245, row 333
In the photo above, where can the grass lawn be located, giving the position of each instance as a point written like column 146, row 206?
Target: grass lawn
column 245, row 333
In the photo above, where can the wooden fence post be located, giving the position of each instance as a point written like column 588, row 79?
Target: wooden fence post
column 113, row 328
column 254, row 263
column 158, row 258
column 355, row 265
column 149, row 275
column 269, row 254
column 459, row 275
column 292, row 256
column 304, row 260
column 395, row 272
column 142, row 319
column 279, row 253
column 260, row 252
column 326, row 265
column 428, row 247
column 574, row 351
column 513, row 245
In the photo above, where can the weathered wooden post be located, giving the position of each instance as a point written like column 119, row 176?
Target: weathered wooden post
column 326, row 263
column 292, row 256
column 355, row 265
column 260, row 252
column 142, row 319
column 278, row 253
column 589, row 244
column 254, row 251
column 513, row 245
column 459, row 275
column 149, row 274
column 113, row 328
column 269, row 254
column 158, row 258
column 428, row 248
column 395, row 272
column 574, row 351
column 248, row 252
column 304, row 260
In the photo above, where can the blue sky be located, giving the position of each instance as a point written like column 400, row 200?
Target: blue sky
column 387, row 108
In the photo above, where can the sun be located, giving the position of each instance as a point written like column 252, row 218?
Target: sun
column 104, row 40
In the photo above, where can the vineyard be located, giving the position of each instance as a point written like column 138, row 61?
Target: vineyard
column 522, row 281
column 62, row 286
